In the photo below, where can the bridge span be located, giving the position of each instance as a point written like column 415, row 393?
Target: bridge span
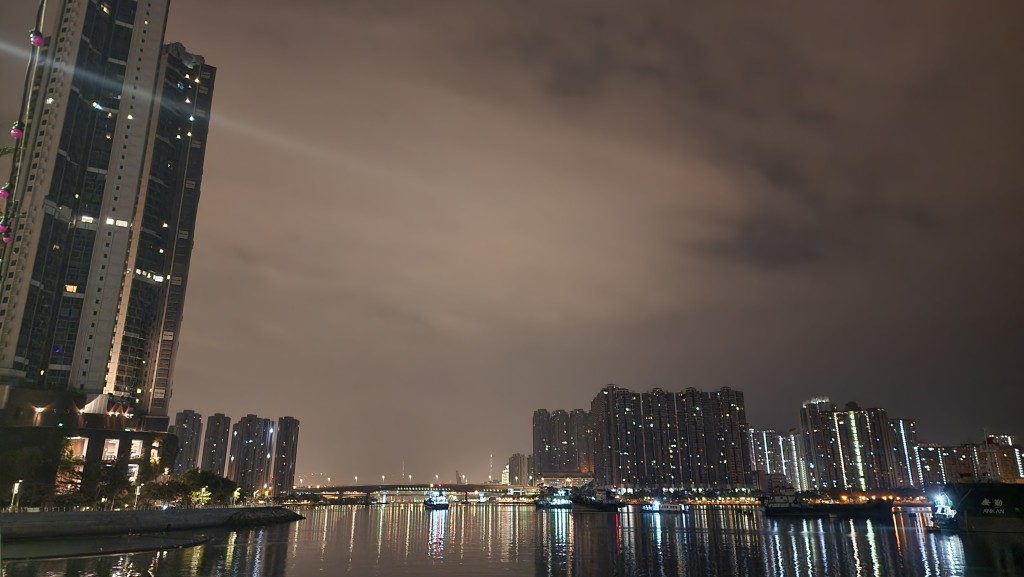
column 378, row 492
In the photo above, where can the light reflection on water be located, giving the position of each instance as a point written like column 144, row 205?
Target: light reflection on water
column 405, row 540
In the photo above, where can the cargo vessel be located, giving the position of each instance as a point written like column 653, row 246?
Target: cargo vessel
column 980, row 507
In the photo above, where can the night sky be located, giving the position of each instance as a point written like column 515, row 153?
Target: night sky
column 421, row 221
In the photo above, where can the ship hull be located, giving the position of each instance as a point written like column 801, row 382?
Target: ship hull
column 880, row 510
column 554, row 507
column 987, row 507
column 588, row 506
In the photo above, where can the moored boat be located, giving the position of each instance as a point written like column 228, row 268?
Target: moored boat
column 436, row 501
column 786, row 503
column 657, row 506
column 980, row 507
column 597, row 501
column 557, row 500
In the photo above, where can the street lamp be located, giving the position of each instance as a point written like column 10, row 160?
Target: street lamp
column 357, row 479
column 382, row 479
column 138, row 491
column 410, row 479
column 14, row 492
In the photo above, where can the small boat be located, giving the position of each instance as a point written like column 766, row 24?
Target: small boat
column 656, row 506
column 436, row 501
column 599, row 501
column 557, row 500
column 785, row 503
column 943, row 515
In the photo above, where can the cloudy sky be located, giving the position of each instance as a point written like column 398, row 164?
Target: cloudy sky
column 423, row 220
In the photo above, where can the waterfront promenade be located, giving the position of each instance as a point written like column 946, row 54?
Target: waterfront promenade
column 48, row 524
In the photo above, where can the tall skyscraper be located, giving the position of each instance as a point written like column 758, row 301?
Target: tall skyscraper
column 215, row 443
column 252, row 445
column 616, row 416
column 581, row 442
column 731, row 435
column 519, row 470
column 562, row 442
column 663, row 439
column 794, row 460
column 102, row 205
column 188, row 427
column 148, row 330
column 542, row 440
column 699, row 465
column 766, row 451
column 855, row 448
column 904, row 435
column 819, row 443
column 286, row 446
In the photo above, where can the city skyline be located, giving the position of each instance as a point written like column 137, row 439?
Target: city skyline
column 506, row 206
column 700, row 440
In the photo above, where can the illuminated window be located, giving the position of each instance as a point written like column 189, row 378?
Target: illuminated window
column 110, row 447
column 78, row 447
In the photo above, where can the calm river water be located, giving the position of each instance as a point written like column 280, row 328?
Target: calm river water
column 405, row 540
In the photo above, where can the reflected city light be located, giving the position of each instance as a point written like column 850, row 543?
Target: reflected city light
column 488, row 538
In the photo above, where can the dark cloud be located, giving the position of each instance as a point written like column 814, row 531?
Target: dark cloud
column 423, row 220
column 770, row 242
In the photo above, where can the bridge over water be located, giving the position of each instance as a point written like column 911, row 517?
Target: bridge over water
column 403, row 492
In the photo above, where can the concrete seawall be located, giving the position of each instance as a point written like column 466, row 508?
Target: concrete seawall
column 81, row 523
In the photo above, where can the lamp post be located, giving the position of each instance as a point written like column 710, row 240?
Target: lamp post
column 382, row 479
column 138, row 491
column 357, row 480
column 14, row 492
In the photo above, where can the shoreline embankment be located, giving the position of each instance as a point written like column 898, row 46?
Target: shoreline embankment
column 43, row 525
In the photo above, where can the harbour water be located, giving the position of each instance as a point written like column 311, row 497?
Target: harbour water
column 479, row 540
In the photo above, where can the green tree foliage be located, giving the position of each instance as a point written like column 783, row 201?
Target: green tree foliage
column 5, row 150
column 188, row 490
column 220, row 488
column 112, row 480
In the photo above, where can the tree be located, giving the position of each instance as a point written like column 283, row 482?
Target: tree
column 220, row 488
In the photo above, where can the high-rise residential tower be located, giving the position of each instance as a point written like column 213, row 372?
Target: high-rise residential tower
column 188, row 427
column 904, row 435
column 562, row 442
column 102, row 202
column 286, row 446
column 519, row 470
column 662, row 439
column 215, row 443
column 252, row 445
column 819, row 444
